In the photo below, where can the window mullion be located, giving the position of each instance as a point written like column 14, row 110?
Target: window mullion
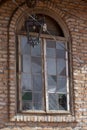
column 20, row 73
column 67, row 74
column 45, row 76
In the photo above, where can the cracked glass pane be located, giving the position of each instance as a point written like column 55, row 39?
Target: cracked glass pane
column 61, row 67
column 53, row 101
column 62, row 84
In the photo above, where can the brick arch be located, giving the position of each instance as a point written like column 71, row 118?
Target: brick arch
column 47, row 9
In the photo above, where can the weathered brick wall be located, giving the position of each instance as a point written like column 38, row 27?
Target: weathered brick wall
column 74, row 16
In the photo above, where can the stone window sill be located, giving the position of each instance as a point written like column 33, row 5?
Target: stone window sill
column 44, row 118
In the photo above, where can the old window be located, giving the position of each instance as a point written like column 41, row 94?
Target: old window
column 43, row 77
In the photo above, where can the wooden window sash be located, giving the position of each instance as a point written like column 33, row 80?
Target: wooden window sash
column 44, row 73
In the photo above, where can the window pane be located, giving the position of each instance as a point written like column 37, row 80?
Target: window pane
column 51, row 44
column 26, row 63
column 52, row 82
column 51, row 49
column 37, row 82
column 51, row 52
column 26, row 105
column 26, row 82
column 60, row 45
column 53, row 101
column 62, row 102
column 25, row 47
column 36, row 50
column 61, row 67
column 51, row 66
column 27, row 96
column 38, row 101
column 36, row 65
column 62, row 84
column 60, row 53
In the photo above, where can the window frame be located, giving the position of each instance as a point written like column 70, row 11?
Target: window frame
column 46, row 110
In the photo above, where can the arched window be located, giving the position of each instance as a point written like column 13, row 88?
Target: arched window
column 43, row 76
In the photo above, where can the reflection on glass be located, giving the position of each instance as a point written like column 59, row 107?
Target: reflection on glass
column 52, row 82
column 53, row 101
column 26, row 63
column 36, row 65
column 52, row 79
column 62, row 102
column 38, row 101
column 38, row 106
column 51, row 66
column 51, row 52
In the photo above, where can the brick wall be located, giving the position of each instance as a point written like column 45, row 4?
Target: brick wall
column 74, row 17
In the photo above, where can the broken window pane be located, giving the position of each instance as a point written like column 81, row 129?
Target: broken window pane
column 26, row 105
column 62, row 102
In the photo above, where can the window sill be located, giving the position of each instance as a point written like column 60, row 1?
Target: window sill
column 44, row 117
column 46, row 113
